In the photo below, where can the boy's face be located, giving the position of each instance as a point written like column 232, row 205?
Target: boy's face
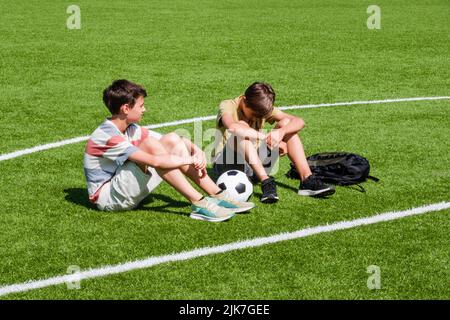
column 135, row 114
column 248, row 113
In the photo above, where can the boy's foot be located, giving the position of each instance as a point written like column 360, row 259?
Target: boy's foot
column 207, row 209
column 223, row 199
column 269, row 190
column 313, row 186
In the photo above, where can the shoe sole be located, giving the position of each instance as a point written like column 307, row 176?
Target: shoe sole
column 317, row 193
column 197, row 216
column 269, row 200
column 240, row 210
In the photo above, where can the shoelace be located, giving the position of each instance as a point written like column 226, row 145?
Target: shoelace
column 269, row 186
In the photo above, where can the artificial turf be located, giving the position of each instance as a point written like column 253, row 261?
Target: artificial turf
column 190, row 56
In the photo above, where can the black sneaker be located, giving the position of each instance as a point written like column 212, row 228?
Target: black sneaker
column 269, row 190
column 314, row 187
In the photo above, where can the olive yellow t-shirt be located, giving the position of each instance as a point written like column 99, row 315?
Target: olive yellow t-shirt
column 231, row 107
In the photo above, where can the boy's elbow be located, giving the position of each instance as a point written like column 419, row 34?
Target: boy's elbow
column 299, row 122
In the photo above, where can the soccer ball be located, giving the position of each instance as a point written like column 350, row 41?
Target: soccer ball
column 236, row 184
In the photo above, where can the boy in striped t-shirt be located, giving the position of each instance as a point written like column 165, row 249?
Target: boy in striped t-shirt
column 124, row 162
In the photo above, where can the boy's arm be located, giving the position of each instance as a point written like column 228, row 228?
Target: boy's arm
column 192, row 147
column 240, row 129
column 286, row 124
column 195, row 151
column 167, row 161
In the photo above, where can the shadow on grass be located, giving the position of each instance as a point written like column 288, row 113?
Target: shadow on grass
column 184, row 206
column 79, row 196
column 286, row 186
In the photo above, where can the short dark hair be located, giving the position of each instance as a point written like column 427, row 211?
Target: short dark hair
column 260, row 97
column 122, row 92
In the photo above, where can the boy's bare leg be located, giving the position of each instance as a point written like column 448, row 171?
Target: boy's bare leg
column 297, row 155
column 173, row 176
column 181, row 147
column 250, row 153
column 174, row 144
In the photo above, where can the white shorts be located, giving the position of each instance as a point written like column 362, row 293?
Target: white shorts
column 127, row 188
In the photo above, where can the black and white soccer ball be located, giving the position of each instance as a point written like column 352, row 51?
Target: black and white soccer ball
column 237, row 184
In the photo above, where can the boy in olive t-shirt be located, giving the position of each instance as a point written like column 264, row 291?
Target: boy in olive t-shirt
column 241, row 144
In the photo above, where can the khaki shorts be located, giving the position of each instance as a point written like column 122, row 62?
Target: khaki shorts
column 127, row 188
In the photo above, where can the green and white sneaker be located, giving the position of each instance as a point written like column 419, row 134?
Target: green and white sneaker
column 207, row 209
column 223, row 199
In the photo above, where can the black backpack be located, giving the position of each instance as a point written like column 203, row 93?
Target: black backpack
column 340, row 168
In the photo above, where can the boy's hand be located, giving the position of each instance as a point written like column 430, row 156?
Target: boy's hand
column 262, row 136
column 196, row 161
column 200, row 155
column 282, row 148
column 199, row 162
column 274, row 138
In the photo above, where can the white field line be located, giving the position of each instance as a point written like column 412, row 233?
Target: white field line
column 19, row 153
column 201, row 252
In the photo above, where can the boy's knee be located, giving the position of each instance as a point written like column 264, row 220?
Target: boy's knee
column 290, row 136
column 171, row 139
column 152, row 146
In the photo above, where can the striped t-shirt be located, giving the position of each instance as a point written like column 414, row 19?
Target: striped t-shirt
column 107, row 149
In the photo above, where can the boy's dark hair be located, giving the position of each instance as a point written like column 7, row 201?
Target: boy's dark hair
column 122, row 92
column 260, row 97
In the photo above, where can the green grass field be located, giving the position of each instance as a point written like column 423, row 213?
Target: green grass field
column 190, row 56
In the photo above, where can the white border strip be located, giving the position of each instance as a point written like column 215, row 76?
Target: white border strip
column 19, row 153
column 201, row 252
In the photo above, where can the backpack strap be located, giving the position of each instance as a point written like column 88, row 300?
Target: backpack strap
column 373, row 178
column 357, row 187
